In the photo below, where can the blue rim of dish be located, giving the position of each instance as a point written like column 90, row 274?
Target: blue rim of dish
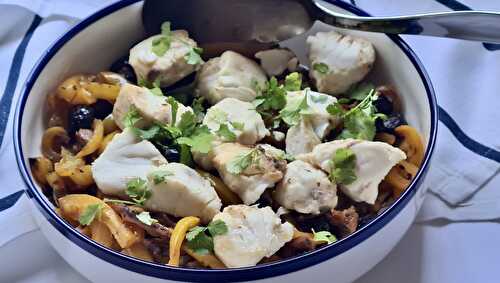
column 210, row 275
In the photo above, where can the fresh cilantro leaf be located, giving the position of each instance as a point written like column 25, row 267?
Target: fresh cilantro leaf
column 217, row 115
column 161, row 44
column 166, row 28
column 133, row 116
column 202, row 243
column 343, row 166
column 321, row 68
column 156, row 91
column 187, row 124
column 359, row 122
column 175, row 106
column 200, row 140
column 242, row 161
column 335, row 109
column 293, row 82
column 198, row 108
column 193, row 57
column 226, row 133
column 217, row 227
column 360, row 92
column 344, row 100
column 199, row 241
column 294, row 109
column 138, row 191
column 185, row 155
column 145, row 218
column 193, row 232
column 147, row 134
column 324, row 236
column 238, row 126
column 142, row 82
column 273, row 98
column 160, row 176
column 90, row 213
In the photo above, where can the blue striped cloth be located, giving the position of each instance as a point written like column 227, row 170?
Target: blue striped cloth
column 465, row 76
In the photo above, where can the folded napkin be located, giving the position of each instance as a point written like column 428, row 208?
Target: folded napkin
column 465, row 76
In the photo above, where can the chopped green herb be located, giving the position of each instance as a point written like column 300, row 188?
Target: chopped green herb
column 359, row 122
column 160, row 176
column 145, row 218
column 138, row 191
column 226, row 133
column 360, row 91
column 198, row 108
column 242, row 161
column 175, row 106
column 217, row 227
column 156, row 91
column 238, row 126
column 202, row 242
column 89, row 214
column 321, row 68
column 217, row 115
column 343, row 164
column 294, row 109
column 186, row 157
column 335, row 109
column 344, row 100
column 133, row 116
column 200, row 140
column 193, row 57
column 161, row 44
column 293, row 82
column 324, row 236
column 273, row 98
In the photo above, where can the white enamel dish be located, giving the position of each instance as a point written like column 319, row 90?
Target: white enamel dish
column 93, row 44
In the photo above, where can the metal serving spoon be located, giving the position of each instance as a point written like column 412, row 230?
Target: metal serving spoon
column 236, row 23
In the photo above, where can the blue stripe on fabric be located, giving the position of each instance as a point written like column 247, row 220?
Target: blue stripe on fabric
column 465, row 140
column 10, row 200
column 457, row 6
column 13, row 77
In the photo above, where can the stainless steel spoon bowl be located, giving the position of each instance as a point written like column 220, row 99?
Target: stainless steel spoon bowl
column 264, row 22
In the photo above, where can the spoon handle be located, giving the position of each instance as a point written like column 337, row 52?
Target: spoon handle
column 470, row 25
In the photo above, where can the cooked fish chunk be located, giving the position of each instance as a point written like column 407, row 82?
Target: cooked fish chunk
column 205, row 160
column 305, row 189
column 301, row 138
column 152, row 108
column 258, row 169
column 239, row 117
column 182, row 192
column 373, row 162
column 168, row 68
column 253, row 233
column 126, row 157
column 348, row 60
column 317, row 116
column 230, row 75
column 275, row 61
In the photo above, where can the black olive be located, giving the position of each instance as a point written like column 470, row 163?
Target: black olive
column 389, row 124
column 307, row 222
column 170, row 153
column 383, row 105
column 122, row 67
column 80, row 117
column 265, row 200
column 102, row 109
